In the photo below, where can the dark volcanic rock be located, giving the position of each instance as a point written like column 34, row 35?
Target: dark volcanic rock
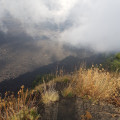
column 100, row 111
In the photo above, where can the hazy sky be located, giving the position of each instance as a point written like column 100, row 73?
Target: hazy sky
column 93, row 23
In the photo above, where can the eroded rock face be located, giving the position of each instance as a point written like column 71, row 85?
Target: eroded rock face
column 100, row 111
column 80, row 109
column 51, row 111
column 75, row 108
column 66, row 110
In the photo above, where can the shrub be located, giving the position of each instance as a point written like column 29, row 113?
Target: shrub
column 25, row 114
column 113, row 63
column 117, row 56
column 68, row 92
column 95, row 83
column 21, row 107
column 49, row 95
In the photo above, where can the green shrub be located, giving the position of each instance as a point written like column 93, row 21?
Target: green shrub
column 66, row 80
column 113, row 63
column 39, row 79
column 117, row 56
column 26, row 114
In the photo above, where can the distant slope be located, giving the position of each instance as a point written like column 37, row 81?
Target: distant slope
column 68, row 64
column 21, row 53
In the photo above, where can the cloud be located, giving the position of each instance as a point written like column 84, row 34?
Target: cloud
column 96, row 25
column 37, row 17
column 37, row 11
column 93, row 23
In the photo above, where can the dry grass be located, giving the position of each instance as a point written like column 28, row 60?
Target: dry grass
column 65, row 79
column 95, row 83
column 47, row 90
column 68, row 92
column 20, row 108
column 87, row 116
column 49, row 95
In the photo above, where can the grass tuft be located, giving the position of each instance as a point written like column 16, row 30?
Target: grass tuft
column 67, row 92
column 49, row 95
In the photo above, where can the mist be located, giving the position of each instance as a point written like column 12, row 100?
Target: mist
column 92, row 23
column 96, row 25
column 39, row 32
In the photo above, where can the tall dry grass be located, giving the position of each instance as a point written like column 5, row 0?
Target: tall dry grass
column 49, row 94
column 96, row 83
column 20, row 108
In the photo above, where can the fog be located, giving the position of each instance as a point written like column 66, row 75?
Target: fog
column 92, row 23
column 35, row 32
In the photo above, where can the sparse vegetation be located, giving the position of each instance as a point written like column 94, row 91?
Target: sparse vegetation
column 95, row 83
column 68, row 92
column 49, row 95
column 20, row 108
column 113, row 63
column 25, row 114
column 39, row 79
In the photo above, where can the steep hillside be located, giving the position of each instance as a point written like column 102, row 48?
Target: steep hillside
column 86, row 94
column 69, row 64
